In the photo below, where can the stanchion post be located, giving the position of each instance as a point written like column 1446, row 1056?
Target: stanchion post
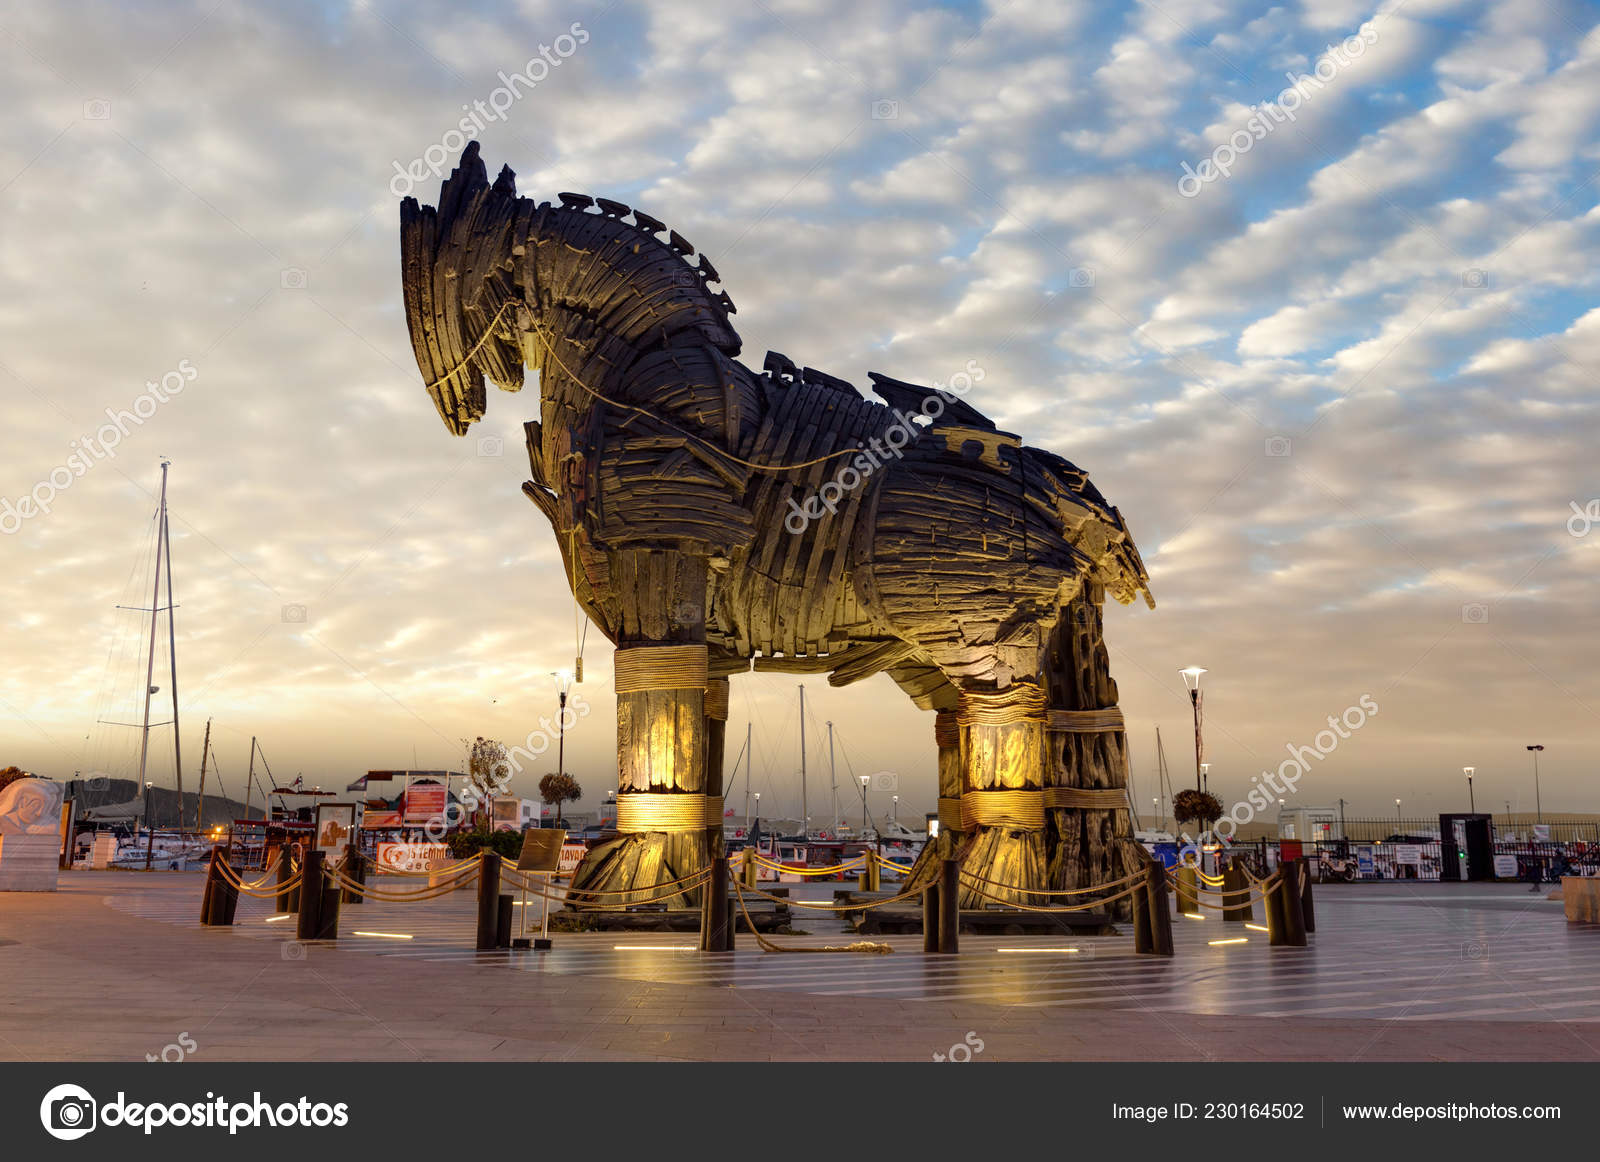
column 1143, row 933
column 488, row 900
column 310, row 893
column 355, row 870
column 950, row 906
column 212, row 876
column 1294, row 921
column 328, row 911
column 1188, row 882
column 226, row 900
column 502, row 920
column 1272, row 905
column 1308, row 909
column 1159, row 909
column 285, row 874
column 930, row 918
column 1236, row 896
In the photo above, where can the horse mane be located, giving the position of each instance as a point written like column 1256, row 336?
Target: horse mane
column 475, row 256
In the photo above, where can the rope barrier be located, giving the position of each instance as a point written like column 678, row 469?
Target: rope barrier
column 1127, row 879
column 768, row 946
column 235, row 882
column 1084, row 907
column 836, row 907
column 762, row 861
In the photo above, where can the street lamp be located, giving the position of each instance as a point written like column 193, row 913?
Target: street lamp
column 1191, row 683
column 1155, row 801
column 1537, row 806
column 894, row 810
column 563, row 685
column 865, row 779
column 1472, row 803
column 1205, row 776
column 755, row 833
column 1397, row 816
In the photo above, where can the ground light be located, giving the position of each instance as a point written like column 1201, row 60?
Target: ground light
column 275, row 919
column 1192, row 916
column 385, row 935
column 1255, row 927
column 653, row 948
column 1235, row 940
column 1036, row 950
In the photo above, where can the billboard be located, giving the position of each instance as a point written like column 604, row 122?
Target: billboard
column 425, row 801
column 412, row 857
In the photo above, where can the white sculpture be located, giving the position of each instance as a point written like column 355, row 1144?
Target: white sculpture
column 30, row 806
column 30, row 841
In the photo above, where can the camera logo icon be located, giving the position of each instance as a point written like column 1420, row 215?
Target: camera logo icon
column 1474, row 950
column 1081, row 276
column 491, row 446
column 885, row 781
column 292, row 278
column 97, row 109
column 1475, row 279
column 884, row 109
column 68, row 1112
column 1475, row 613
column 1279, row 446
column 293, row 613
column 293, row 950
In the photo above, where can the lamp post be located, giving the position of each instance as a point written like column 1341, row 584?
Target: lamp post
column 563, row 686
column 1205, row 776
column 1155, row 801
column 1397, row 827
column 1472, row 803
column 1538, row 807
column 1191, row 683
column 864, row 779
column 894, row 810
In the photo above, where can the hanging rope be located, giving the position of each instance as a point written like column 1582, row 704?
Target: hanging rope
column 768, row 946
column 643, row 668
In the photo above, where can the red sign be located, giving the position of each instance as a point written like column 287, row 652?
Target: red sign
column 425, row 801
column 412, row 857
column 1289, row 849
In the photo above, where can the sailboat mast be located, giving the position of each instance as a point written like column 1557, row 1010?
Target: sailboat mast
column 805, row 817
column 150, row 661
column 1163, row 780
column 250, row 779
column 199, row 800
column 833, row 784
column 172, row 654
column 749, row 732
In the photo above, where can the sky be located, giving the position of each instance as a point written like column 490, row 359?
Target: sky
column 1309, row 289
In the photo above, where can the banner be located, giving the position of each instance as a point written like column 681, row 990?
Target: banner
column 412, row 857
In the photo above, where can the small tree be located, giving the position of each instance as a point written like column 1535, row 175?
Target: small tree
column 489, row 767
column 11, row 775
column 558, row 789
column 1196, row 807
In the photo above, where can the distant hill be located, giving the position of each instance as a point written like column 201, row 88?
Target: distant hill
column 103, row 792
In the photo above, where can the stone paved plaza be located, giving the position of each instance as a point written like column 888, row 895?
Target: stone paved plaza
column 115, row 966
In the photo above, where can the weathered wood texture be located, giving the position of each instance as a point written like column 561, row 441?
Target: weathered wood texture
column 777, row 516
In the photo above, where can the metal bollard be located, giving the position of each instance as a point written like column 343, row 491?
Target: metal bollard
column 502, row 924
column 488, row 901
column 1294, row 920
column 285, row 874
column 328, row 913
column 950, row 906
column 716, row 930
column 355, row 870
column 310, row 893
column 1160, row 910
column 1143, row 931
column 1187, row 891
column 1307, row 905
column 1236, row 897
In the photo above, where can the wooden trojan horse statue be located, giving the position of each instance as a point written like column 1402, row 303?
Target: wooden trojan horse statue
column 712, row 518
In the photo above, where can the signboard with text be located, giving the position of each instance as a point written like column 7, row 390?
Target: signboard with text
column 412, row 857
column 1505, row 867
column 425, row 801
